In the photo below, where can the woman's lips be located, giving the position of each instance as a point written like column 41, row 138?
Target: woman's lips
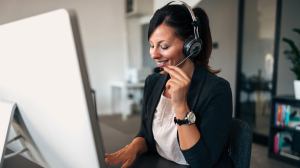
column 161, row 63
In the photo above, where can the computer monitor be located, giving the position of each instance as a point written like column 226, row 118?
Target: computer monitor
column 7, row 110
column 42, row 69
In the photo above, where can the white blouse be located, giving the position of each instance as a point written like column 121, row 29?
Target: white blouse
column 165, row 132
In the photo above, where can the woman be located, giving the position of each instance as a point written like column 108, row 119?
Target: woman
column 186, row 117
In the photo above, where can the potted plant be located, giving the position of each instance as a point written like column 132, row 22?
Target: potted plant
column 293, row 54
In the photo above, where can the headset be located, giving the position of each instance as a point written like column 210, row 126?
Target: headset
column 193, row 44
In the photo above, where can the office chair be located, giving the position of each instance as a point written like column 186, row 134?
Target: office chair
column 240, row 143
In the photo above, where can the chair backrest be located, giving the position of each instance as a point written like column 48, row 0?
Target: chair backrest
column 240, row 143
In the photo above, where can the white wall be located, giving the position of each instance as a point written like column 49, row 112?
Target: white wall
column 289, row 20
column 223, row 27
column 103, row 33
column 134, row 29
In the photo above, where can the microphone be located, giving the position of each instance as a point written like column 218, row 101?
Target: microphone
column 159, row 69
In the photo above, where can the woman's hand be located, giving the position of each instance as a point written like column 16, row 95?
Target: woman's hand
column 177, row 86
column 125, row 156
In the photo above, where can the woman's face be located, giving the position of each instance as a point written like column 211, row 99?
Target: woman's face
column 165, row 46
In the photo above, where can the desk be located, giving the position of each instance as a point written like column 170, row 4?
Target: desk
column 155, row 161
column 112, row 141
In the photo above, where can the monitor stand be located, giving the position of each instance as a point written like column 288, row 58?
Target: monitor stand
column 21, row 143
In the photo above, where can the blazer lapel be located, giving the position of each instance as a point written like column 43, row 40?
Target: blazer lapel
column 155, row 97
column 197, row 83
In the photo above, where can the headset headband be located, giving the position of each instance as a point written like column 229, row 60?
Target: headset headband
column 195, row 22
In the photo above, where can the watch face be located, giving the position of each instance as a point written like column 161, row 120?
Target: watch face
column 191, row 117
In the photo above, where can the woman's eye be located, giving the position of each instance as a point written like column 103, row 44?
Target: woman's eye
column 164, row 47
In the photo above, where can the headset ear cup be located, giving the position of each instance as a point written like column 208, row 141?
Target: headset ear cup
column 192, row 46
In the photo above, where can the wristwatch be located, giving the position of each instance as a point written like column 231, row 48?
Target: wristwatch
column 189, row 119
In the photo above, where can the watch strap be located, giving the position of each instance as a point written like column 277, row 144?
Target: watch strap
column 181, row 122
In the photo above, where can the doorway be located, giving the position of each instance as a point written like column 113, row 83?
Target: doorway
column 255, row 65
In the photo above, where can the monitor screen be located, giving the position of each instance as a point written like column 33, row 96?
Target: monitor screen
column 42, row 69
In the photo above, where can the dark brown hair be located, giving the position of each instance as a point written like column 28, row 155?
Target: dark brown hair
column 179, row 18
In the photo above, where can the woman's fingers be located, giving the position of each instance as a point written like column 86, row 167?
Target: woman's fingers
column 176, row 83
column 173, row 83
column 176, row 72
column 172, row 73
column 123, row 156
column 114, row 158
column 127, row 164
column 178, row 77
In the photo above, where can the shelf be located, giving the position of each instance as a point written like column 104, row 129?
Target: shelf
column 285, row 128
column 285, row 159
column 282, row 146
column 288, row 100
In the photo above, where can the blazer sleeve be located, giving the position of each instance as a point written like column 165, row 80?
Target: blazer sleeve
column 145, row 130
column 214, row 127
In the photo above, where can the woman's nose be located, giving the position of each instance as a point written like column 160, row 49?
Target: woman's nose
column 155, row 54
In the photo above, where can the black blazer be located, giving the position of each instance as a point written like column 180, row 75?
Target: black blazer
column 210, row 98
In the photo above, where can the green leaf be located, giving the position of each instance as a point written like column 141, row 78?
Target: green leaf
column 293, row 46
column 297, row 30
column 293, row 54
